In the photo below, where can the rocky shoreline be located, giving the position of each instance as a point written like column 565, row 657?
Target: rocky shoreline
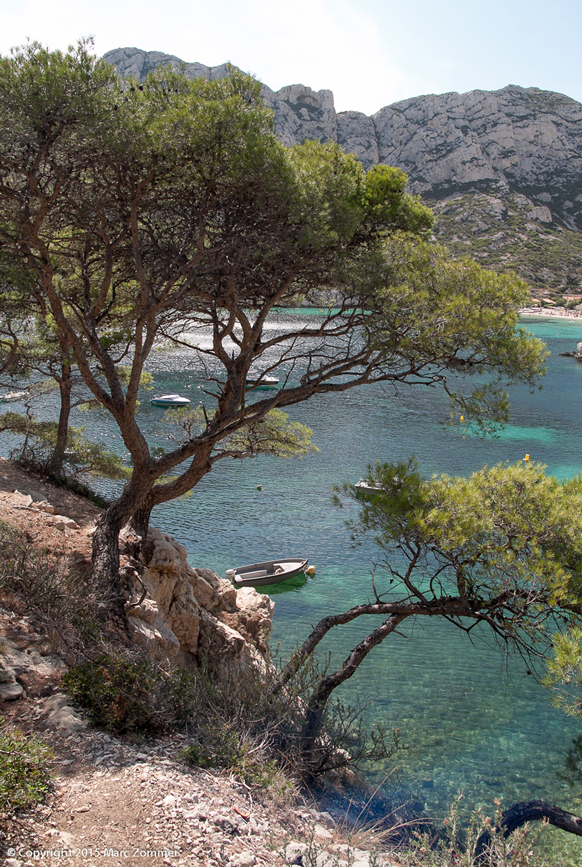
column 117, row 801
column 187, row 613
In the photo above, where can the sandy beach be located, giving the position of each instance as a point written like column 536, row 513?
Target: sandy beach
column 550, row 313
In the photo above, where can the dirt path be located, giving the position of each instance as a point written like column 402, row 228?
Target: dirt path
column 114, row 801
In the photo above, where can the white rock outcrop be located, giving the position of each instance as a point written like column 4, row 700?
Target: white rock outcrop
column 192, row 614
column 185, row 616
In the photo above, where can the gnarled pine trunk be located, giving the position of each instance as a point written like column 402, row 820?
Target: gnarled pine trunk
column 56, row 460
column 135, row 506
column 313, row 724
column 105, row 549
column 140, row 520
column 528, row 811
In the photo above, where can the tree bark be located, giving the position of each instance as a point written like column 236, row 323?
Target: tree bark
column 318, row 700
column 134, row 505
column 140, row 520
column 528, row 811
column 13, row 343
column 56, row 460
column 105, row 549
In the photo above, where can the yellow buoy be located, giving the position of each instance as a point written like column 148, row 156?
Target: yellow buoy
column 310, row 571
column 462, row 418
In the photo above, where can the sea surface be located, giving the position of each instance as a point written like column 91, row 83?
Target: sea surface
column 472, row 720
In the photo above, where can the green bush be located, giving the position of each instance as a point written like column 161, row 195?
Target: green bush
column 175, row 697
column 24, row 770
column 231, row 715
column 125, row 693
column 219, row 745
column 220, row 748
column 115, row 691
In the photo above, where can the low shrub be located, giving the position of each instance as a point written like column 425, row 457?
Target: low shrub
column 24, row 770
column 454, row 845
column 175, row 697
column 233, row 719
column 219, row 745
column 125, row 692
column 115, row 691
column 68, row 606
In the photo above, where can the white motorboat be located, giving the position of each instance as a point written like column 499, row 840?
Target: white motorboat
column 268, row 572
column 364, row 487
column 169, row 400
column 12, row 395
column 262, row 382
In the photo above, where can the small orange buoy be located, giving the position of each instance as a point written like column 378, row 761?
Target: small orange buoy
column 310, row 571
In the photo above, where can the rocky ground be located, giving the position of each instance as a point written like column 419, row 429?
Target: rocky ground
column 115, row 801
column 45, row 526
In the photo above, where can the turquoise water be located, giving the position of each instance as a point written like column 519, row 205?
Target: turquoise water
column 473, row 721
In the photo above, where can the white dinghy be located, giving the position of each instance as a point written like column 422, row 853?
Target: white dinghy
column 12, row 395
column 268, row 572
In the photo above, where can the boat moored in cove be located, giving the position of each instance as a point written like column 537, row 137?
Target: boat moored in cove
column 262, row 382
column 364, row 487
column 267, row 572
column 12, row 395
column 169, row 400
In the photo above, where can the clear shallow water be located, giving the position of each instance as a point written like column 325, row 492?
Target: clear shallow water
column 471, row 723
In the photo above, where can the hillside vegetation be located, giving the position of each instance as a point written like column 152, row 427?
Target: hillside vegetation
column 502, row 169
column 509, row 232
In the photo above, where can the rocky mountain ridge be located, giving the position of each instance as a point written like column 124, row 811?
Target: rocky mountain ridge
column 517, row 152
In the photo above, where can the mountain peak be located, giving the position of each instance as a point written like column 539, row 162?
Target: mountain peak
column 517, row 150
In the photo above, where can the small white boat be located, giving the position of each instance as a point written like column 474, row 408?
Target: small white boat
column 168, row 400
column 364, row 487
column 268, row 572
column 262, row 382
column 12, row 395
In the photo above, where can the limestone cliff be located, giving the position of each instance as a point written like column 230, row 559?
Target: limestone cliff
column 190, row 615
column 176, row 612
column 515, row 152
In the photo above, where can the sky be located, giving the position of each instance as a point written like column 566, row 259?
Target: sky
column 370, row 53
